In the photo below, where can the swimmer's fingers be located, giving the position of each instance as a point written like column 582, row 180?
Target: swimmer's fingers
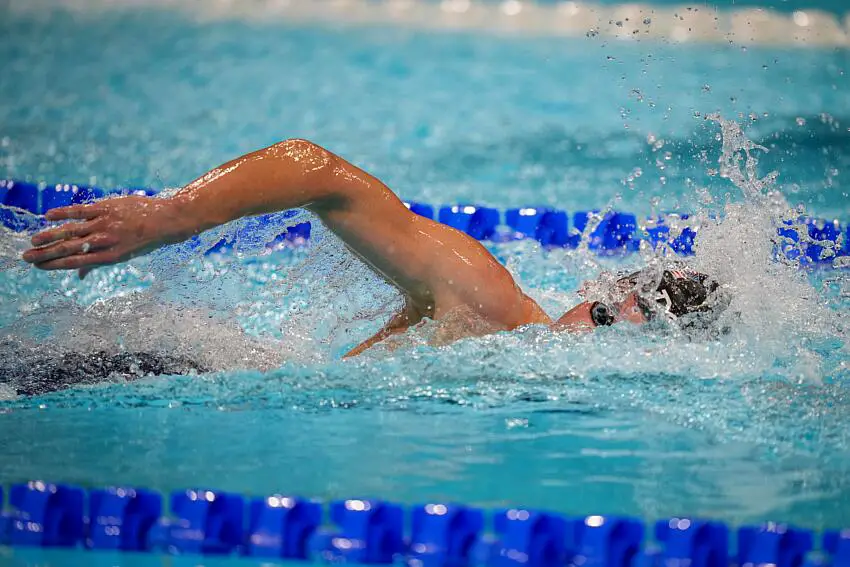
column 84, row 262
column 64, row 232
column 69, row 248
column 84, row 212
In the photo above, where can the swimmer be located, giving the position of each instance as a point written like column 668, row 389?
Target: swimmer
column 438, row 270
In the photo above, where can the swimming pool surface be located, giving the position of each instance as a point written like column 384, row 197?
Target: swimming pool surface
column 748, row 427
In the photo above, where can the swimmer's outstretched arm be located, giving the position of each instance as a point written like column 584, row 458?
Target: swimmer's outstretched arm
column 438, row 268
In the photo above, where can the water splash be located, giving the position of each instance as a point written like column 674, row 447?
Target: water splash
column 247, row 308
column 776, row 324
column 774, row 308
column 255, row 310
column 748, row 397
column 15, row 232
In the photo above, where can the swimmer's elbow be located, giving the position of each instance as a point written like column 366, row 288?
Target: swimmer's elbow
column 309, row 159
column 297, row 147
column 313, row 170
column 325, row 182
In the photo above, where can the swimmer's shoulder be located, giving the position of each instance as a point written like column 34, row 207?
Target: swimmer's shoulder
column 533, row 313
column 516, row 310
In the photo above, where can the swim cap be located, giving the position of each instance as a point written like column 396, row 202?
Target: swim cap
column 679, row 291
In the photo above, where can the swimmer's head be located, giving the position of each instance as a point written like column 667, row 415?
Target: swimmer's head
column 676, row 294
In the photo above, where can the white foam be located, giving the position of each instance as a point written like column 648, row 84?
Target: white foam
column 773, row 305
column 144, row 322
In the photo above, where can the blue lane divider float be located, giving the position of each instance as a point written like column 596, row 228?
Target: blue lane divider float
column 374, row 532
column 204, row 522
column 48, row 515
column 823, row 242
column 526, row 221
column 443, row 535
column 281, row 526
column 367, row 531
column 837, row 545
column 122, row 518
column 525, row 537
column 773, row 544
column 694, row 542
column 614, row 233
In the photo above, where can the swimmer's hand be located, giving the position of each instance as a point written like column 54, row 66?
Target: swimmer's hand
column 110, row 231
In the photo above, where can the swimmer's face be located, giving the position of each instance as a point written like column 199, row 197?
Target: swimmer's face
column 671, row 293
column 579, row 318
column 627, row 309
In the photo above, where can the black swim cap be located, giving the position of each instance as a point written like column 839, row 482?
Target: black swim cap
column 680, row 291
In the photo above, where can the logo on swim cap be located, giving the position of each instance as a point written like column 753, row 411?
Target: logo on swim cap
column 682, row 292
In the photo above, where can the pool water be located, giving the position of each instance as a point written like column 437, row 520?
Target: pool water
column 745, row 427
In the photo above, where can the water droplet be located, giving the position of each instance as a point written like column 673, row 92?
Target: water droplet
column 511, row 423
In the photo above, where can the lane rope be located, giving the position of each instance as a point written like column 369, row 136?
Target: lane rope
column 809, row 241
column 209, row 522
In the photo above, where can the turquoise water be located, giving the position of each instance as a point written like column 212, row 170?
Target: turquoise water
column 440, row 117
column 744, row 428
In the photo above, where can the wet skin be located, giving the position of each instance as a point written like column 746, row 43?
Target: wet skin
column 438, row 269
